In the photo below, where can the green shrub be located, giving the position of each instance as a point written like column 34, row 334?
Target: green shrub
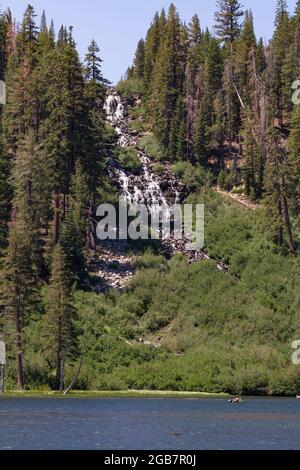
column 158, row 168
column 129, row 159
column 150, row 145
column 192, row 177
column 130, row 88
column 137, row 125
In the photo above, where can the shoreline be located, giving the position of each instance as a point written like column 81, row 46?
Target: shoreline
column 111, row 394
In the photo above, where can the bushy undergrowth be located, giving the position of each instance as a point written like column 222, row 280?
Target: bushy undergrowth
column 150, row 145
column 129, row 159
column 129, row 88
column 215, row 331
column 192, row 177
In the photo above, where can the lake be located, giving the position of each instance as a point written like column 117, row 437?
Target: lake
column 145, row 424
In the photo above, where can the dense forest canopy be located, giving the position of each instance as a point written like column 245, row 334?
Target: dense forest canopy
column 221, row 108
column 222, row 99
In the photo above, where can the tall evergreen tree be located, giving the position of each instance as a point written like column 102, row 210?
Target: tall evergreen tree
column 213, row 67
column 72, row 241
column 277, row 186
column 168, row 78
column 245, row 45
column 95, row 91
column 43, row 27
column 152, row 43
column 18, row 287
column 294, row 160
column 227, row 20
column 93, row 63
column 139, row 60
column 60, row 315
column 281, row 11
column 281, row 42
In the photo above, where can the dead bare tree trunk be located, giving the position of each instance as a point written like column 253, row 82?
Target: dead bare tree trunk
column 75, row 378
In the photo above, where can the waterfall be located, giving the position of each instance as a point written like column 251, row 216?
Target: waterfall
column 114, row 109
column 147, row 187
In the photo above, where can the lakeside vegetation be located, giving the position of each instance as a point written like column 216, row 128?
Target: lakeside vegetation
column 191, row 327
column 112, row 394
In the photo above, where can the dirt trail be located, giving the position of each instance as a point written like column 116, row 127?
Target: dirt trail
column 241, row 199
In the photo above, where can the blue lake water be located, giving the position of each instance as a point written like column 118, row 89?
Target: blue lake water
column 157, row 424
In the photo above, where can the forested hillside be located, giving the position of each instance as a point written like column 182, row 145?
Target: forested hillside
column 219, row 110
column 53, row 159
column 223, row 100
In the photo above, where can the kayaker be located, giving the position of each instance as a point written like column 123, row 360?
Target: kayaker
column 237, row 399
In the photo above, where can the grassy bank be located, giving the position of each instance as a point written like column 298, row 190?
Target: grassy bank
column 113, row 394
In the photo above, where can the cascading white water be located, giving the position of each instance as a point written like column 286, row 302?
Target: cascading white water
column 147, row 190
column 114, row 109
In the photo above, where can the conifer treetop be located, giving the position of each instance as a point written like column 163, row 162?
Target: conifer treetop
column 227, row 19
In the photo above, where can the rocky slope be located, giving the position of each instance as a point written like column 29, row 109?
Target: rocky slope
column 112, row 261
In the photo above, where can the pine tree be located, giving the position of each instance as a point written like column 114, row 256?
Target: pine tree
column 213, row 68
column 281, row 11
column 194, row 31
column 21, row 110
column 294, row 160
column 277, row 187
column 43, row 27
column 245, row 45
column 31, row 181
column 5, row 25
column 218, row 129
column 177, row 148
column 72, row 242
column 95, row 92
column 168, row 78
column 139, row 60
column 282, row 41
column 260, row 57
column 64, row 128
column 28, row 34
column 93, row 63
column 19, row 286
column 152, row 43
column 60, row 315
column 81, row 200
column 195, row 52
column 228, row 29
column 52, row 30
column 227, row 20
column 5, row 191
